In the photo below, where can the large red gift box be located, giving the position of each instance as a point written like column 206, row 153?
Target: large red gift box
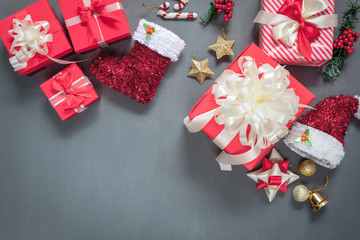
column 95, row 21
column 39, row 11
column 69, row 92
column 207, row 103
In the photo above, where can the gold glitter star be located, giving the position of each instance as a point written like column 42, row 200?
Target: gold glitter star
column 200, row 70
column 222, row 47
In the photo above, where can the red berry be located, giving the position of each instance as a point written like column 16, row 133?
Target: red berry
column 350, row 31
column 349, row 35
column 226, row 20
column 341, row 45
column 346, row 40
column 229, row 16
column 350, row 44
column 357, row 35
column 349, row 52
column 352, row 48
column 341, row 41
column 356, row 40
column 216, row 6
column 347, row 48
column 219, row 11
column 229, row 4
column 340, row 37
column 345, row 32
column 351, row 39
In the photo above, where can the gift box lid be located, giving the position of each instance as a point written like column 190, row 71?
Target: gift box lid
column 81, row 35
column 39, row 11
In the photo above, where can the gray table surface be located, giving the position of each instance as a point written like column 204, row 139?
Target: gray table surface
column 122, row 170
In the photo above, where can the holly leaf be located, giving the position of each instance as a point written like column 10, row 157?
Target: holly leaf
column 153, row 29
column 307, row 131
column 298, row 139
column 146, row 26
column 308, row 142
column 148, row 35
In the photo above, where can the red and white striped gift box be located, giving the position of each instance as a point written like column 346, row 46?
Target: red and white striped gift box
column 322, row 47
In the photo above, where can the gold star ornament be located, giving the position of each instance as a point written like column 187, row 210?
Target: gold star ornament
column 222, row 47
column 200, row 70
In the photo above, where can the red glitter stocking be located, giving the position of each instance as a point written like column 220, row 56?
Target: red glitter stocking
column 138, row 74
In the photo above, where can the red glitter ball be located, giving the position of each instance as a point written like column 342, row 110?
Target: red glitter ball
column 332, row 116
column 137, row 74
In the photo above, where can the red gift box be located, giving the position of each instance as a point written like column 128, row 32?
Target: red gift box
column 39, row 11
column 94, row 22
column 207, row 103
column 69, row 92
column 322, row 46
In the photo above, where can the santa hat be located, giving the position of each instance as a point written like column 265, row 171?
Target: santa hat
column 319, row 134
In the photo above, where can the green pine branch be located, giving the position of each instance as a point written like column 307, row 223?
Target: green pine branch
column 211, row 15
column 331, row 70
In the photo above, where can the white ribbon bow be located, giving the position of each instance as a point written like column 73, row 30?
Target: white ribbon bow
column 286, row 29
column 29, row 38
column 256, row 98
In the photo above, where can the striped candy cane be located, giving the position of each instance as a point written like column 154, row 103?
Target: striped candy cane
column 181, row 5
column 174, row 15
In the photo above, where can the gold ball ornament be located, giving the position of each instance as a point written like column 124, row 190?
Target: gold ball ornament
column 307, row 168
column 301, row 193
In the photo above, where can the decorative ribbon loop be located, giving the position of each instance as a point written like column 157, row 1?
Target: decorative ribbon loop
column 298, row 19
column 72, row 93
column 29, row 38
column 254, row 105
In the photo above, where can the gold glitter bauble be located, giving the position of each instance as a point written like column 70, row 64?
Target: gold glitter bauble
column 307, row 168
column 301, row 193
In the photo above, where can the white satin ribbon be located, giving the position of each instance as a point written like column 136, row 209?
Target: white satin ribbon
column 258, row 98
column 29, row 38
column 286, row 29
column 109, row 8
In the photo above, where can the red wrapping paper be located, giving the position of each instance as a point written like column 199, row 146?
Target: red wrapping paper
column 75, row 73
column 39, row 11
column 207, row 103
column 82, row 38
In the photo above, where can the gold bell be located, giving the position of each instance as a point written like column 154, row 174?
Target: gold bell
column 317, row 201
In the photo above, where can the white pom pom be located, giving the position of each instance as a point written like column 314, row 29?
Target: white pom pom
column 357, row 115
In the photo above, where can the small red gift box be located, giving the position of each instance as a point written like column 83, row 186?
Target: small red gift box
column 94, row 23
column 231, row 143
column 42, row 14
column 69, row 92
column 323, row 22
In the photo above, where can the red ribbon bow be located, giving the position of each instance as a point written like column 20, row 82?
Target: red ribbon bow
column 87, row 16
column 73, row 97
column 274, row 180
column 307, row 32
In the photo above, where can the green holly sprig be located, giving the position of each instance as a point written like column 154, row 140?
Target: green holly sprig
column 304, row 138
column 149, row 30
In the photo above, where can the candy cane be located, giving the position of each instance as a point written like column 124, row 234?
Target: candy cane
column 174, row 15
column 181, row 5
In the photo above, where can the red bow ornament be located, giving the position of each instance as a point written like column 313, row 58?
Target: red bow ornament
column 274, row 175
column 69, row 92
column 298, row 20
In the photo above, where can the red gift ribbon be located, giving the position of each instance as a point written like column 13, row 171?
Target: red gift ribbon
column 89, row 14
column 307, row 32
column 73, row 95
